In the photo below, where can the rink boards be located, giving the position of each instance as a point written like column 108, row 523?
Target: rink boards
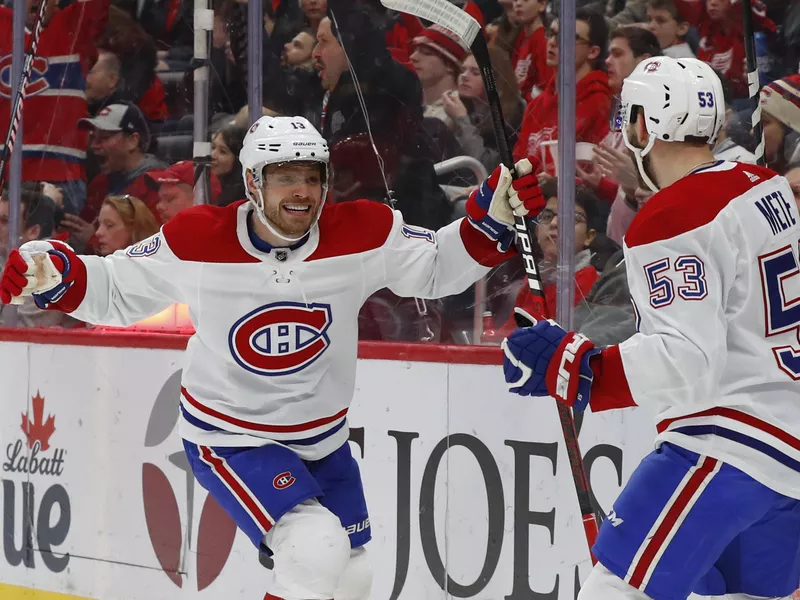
column 468, row 486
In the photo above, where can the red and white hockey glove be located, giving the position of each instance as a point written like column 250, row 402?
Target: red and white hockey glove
column 45, row 270
column 545, row 360
column 490, row 208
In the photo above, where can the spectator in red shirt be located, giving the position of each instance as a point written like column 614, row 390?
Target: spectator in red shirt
column 722, row 40
column 529, row 58
column 53, row 148
column 401, row 29
column 587, row 219
column 593, row 102
column 175, row 187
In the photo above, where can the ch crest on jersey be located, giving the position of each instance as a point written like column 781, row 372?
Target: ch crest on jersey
column 37, row 84
column 281, row 338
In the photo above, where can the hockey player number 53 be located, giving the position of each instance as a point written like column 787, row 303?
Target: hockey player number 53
column 781, row 309
column 689, row 271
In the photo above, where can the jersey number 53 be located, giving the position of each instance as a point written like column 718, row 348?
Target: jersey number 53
column 686, row 279
column 782, row 310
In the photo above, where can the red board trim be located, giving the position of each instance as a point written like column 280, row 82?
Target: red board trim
column 106, row 338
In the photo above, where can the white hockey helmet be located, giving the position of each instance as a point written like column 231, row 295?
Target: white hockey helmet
column 276, row 140
column 682, row 101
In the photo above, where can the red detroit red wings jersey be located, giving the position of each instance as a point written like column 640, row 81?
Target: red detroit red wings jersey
column 714, row 273
column 274, row 354
column 54, row 149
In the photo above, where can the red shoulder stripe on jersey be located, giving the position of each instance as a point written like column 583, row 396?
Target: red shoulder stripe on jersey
column 730, row 413
column 482, row 250
column 691, row 202
column 207, row 234
column 610, row 386
column 352, row 228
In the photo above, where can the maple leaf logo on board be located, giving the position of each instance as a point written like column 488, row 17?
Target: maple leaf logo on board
column 38, row 430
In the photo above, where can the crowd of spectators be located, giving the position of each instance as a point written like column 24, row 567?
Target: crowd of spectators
column 107, row 142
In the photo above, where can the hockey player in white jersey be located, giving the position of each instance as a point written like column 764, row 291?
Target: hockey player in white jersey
column 274, row 286
column 712, row 265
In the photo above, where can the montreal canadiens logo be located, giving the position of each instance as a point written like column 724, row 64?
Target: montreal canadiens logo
column 652, row 67
column 37, row 83
column 283, row 480
column 281, row 338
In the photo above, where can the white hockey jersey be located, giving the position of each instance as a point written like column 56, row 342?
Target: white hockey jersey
column 712, row 265
column 274, row 353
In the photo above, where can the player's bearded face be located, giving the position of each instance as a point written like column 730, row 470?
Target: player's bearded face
column 293, row 196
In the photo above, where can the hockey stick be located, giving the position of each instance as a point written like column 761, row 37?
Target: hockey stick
column 753, row 83
column 19, row 96
column 449, row 16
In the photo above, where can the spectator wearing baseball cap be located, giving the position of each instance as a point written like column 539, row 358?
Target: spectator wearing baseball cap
column 118, row 141
column 175, row 188
column 437, row 57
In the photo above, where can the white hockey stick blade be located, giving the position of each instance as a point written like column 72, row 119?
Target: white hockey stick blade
column 441, row 12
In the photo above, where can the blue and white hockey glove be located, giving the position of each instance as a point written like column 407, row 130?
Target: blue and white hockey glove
column 545, row 360
column 491, row 207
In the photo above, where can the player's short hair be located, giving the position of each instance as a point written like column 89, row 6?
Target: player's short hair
column 598, row 32
column 641, row 41
column 37, row 209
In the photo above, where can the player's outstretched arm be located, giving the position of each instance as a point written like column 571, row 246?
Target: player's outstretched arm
column 118, row 290
column 428, row 264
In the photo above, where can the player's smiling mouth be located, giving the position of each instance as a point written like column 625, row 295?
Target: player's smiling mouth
column 297, row 209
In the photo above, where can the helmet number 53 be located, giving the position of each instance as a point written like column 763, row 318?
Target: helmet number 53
column 706, row 99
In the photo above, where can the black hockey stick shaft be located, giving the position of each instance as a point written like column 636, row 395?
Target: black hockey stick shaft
column 591, row 517
column 19, row 96
column 446, row 14
column 753, row 86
